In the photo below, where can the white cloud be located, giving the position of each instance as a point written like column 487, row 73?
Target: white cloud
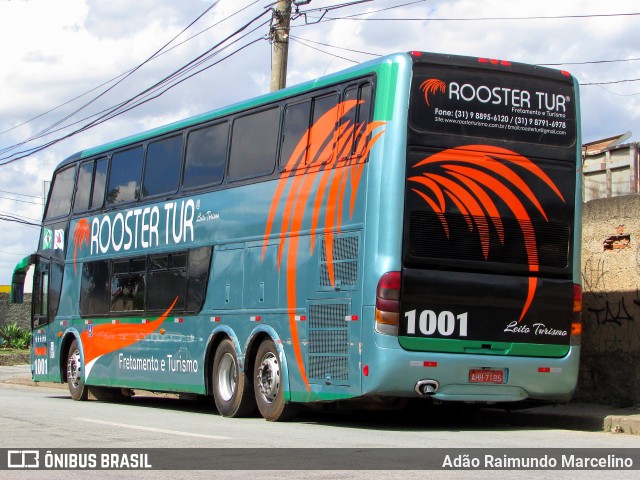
column 59, row 50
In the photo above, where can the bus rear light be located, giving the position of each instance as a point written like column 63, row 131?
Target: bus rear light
column 577, row 299
column 365, row 370
column 388, row 303
column 576, row 321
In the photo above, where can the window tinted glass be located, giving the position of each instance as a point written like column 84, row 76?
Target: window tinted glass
column 364, row 109
column 199, row 262
column 206, row 155
column 83, row 187
column 254, row 144
column 166, row 286
column 99, row 183
column 124, row 179
column 94, row 295
column 318, row 137
column 55, row 286
column 162, row 168
column 61, row 193
column 127, row 292
column 295, row 134
column 350, row 121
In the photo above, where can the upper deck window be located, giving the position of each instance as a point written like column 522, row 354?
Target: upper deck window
column 124, row 179
column 254, row 144
column 61, row 193
column 206, row 156
column 162, row 168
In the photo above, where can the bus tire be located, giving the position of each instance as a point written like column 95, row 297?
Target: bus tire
column 268, row 385
column 231, row 386
column 75, row 372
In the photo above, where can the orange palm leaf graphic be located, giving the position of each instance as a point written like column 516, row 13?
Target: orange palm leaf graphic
column 468, row 175
column 81, row 234
column 430, row 86
column 310, row 182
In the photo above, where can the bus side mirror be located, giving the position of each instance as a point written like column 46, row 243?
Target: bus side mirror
column 19, row 275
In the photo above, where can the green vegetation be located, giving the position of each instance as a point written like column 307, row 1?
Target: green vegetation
column 14, row 337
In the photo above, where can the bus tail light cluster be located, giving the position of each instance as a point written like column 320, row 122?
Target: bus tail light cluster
column 576, row 321
column 388, row 303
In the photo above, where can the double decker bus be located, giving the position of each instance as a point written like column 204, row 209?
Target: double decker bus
column 409, row 227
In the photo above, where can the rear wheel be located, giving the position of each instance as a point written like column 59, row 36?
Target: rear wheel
column 75, row 373
column 268, row 385
column 231, row 386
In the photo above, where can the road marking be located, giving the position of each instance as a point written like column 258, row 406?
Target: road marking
column 152, row 429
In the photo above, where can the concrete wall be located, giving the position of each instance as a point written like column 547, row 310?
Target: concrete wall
column 11, row 312
column 610, row 367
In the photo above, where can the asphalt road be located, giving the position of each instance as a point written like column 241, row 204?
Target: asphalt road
column 44, row 417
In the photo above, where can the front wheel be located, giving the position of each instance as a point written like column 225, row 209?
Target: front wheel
column 75, row 373
column 231, row 387
column 268, row 385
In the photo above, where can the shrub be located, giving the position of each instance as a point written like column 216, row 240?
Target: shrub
column 14, row 336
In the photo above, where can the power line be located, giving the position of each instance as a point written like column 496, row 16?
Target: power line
column 611, row 82
column 322, row 51
column 129, row 104
column 21, row 194
column 593, row 62
column 300, row 40
column 475, row 19
column 14, row 219
column 130, row 70
column 127, row 75
column 21, row 201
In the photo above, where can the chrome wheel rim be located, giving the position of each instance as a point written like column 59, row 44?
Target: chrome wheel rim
column 227, row 377
column 74, row 370
column 269, row 377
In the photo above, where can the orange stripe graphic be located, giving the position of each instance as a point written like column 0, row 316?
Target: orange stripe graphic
column 327, row 161
column 108, row 337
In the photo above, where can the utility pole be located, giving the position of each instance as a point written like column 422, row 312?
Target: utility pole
column 280, row 38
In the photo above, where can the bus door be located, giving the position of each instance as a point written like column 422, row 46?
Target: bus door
column 41, row 333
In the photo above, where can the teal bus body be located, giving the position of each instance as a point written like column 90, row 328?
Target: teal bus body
column 306, row 279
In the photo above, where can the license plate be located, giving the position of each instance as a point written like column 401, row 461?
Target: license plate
column 486, row 376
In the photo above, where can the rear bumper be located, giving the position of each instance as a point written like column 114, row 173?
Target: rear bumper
column 394, row 371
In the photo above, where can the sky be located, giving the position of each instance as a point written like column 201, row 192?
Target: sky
column 66, row 62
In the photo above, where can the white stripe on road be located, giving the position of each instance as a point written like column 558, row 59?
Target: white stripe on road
column 152, row 429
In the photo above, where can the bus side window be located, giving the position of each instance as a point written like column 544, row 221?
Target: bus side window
column 162, row 166
column 206, row 156
column 83, row 187
column 94, row 289
column 128, row 285
column 198, row 268
column 364, row 110
column 254, row 144
column 322, row 141
column 61, row 193
column 99, row 183
column 90, row 186
column 295, row 135
column 125, row 175
column 350, row 121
